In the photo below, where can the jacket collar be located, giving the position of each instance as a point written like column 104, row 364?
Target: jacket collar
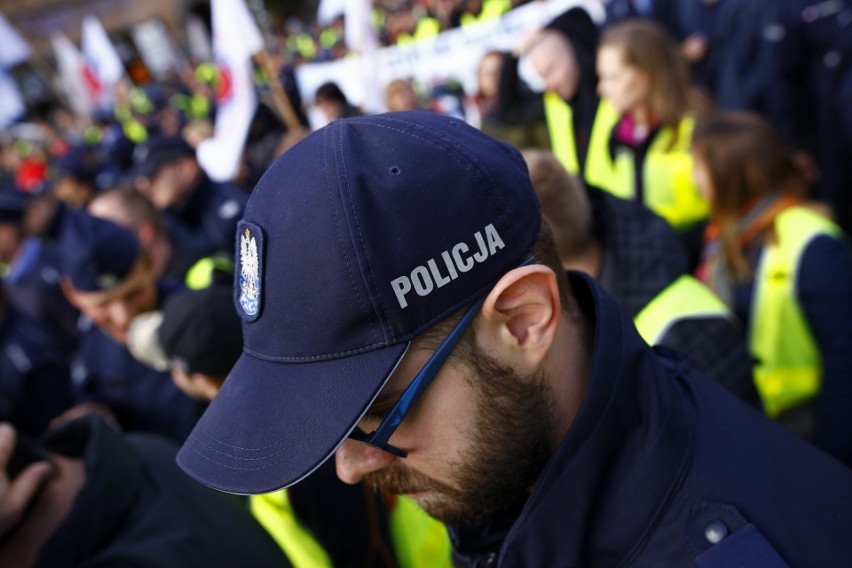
column 599, row 495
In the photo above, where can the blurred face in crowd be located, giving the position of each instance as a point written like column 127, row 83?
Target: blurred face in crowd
column 10, row 241
column 402, row 97
column 627, row 87
column 489, row 74
column 171, row 184
column 112, row 310
column 554, row 60
column 72, row 192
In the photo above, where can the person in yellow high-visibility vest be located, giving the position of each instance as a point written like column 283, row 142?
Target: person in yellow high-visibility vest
column 784, row 267
column 645, row 155
column 637, row 258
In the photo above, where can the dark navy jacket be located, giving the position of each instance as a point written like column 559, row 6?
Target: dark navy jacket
column 143, row 399
column 642, row 256
column 35, row 384
column 207, row 222
column 137, row 509
column 660, row 463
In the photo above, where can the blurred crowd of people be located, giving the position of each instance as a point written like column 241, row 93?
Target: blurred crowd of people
column 690, row 155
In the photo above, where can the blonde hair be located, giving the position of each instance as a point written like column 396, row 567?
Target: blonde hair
column 647, row 46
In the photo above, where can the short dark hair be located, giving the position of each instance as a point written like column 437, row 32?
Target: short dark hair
column 330, row 91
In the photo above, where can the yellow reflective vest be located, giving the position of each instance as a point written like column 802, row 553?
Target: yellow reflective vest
column 788, row 371
column 418, row 540
column 685, row 298
column 669, row 190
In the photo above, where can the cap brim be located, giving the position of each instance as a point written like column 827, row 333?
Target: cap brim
column 272, row 424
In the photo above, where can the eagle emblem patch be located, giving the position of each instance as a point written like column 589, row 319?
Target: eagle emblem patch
column 250, row 270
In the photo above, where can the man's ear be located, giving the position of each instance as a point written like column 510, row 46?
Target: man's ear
column 520, row 317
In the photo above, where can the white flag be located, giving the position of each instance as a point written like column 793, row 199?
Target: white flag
column 235, row 39
column 11, row 104
column 15, row 50
column 102, row 61
column 74, row 80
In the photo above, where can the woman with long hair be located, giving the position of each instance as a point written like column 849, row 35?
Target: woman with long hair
column 643, row 130
column 783, row 266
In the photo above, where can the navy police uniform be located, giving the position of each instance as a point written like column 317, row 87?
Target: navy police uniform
column 810, row 89
column 207, row 221
column 662, row 467
column 98, row 255
column 34, row 376
column 143, row 399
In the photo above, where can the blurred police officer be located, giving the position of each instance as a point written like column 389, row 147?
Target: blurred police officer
column 109, row 279
column 810, row 92
column 201, row 214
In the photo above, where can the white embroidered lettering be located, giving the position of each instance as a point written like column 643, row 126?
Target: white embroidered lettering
column 426, row 277
column 494, row 240
column 463, row 265
column 482, row 254
column 422, row 283
column 449, row 264
column 437, row 277
column 401, row 286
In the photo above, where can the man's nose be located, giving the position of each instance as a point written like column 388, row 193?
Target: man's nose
column 354, row 460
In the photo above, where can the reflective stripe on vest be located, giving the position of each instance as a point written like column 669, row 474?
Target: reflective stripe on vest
column 685, row 298
column 669, row 190
column 788, row 371
column 418, row 539
column 274, row 512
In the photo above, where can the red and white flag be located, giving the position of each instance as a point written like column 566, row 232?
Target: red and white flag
column 103, row 67
column 71, row 67
column 236, row 39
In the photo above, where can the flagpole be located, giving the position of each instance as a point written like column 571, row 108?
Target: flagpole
column 279, row 95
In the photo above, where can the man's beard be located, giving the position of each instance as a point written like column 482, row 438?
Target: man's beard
column 511, row 443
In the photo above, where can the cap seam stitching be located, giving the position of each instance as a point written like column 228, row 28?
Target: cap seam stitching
column 383, row 316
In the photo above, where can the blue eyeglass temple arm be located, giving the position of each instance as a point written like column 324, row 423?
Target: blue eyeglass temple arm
column 421, row 382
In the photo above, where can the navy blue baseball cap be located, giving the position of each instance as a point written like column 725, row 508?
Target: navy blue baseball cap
column 355, row 241
column 95, row 254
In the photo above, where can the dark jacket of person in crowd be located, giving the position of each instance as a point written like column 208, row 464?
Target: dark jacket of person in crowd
column 810, row 92
column 136, row 508
column 35, row 384
column 142, row 399
column 641, row 258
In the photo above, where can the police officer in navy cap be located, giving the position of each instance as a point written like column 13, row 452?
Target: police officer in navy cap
column 405, row 312
column 110, row 280
column 201, row 214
